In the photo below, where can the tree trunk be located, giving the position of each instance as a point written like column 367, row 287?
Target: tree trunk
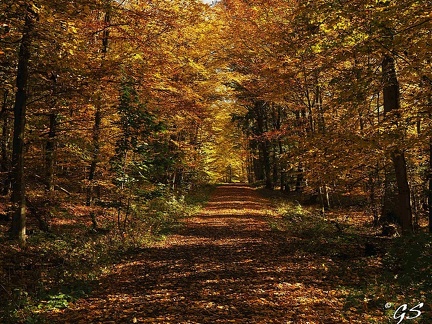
column 96, row 142
column 324, row 197
column 282, row 171
column 389, row 210
column 250, row 166
column 275, row 166
column 430, row 186
column 320, row 110
column 94, row 161
column 283, row 184
column 372, row 195
column 429, row 201
column 49, row 152
column 392, row 104
column 299, row 179
column 97, row 124
column 18, row 229
column 405, row 212
column 260, row 110
column 5, row 163
column 267, row 165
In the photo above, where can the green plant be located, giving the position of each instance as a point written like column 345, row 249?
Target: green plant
column 408, row 263
column 58, row 301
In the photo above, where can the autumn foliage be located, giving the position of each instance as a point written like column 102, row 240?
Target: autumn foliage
column 112, row 111
column 337, row 98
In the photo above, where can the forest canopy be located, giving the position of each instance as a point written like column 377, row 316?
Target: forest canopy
column 110, row 102
column 119, row 118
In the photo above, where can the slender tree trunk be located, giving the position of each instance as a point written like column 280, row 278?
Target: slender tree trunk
column 392, row 104
column 282, row 171
column 106, row 32
column 372, row 182
column 277, row 147
column 429, row 196
column 50, row 151
column 5, row 163
column 430, row 186
column 267, row 166
column 324, row 197
column 429, row 103
column 260, row 109
column 97, row 123
column 299, row 178
column 275, row 165
column 320, row 110
column 311, row 127
column 310, row 104
column 283, row 185
column 300, row 121
column 250, row 165
column 256, row 161
column 94, row 161
column 18, row 229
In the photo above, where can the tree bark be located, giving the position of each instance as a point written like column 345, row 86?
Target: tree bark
column 18, row 228
column 94, row 161
column 429, row 196
column 391, row 94
column 275, row 164
column 50, row 151
column 260, row 109
column 299, row 178
column 97, row 124
column 405, row 212
column 320, row 110
column 430, row 186
column 5, row 163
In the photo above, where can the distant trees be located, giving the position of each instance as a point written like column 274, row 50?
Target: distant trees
column 335, row 95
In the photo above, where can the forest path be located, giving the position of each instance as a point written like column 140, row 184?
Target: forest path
column 225, row 265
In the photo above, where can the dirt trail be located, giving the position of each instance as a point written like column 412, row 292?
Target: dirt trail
column 224, row 266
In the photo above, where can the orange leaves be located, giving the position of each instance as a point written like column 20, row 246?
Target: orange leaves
column 228, row 267
column 320, row 61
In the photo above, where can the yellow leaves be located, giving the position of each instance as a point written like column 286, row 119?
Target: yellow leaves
column 326, row 269
column 73, row 29
column 197, row 68
column 50, row 19
column 137, row 57
column 317, row 48
column 290, row 286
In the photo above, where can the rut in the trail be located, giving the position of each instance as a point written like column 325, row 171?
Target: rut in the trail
column 223, row 266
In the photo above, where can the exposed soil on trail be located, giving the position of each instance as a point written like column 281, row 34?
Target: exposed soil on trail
column 224, row 266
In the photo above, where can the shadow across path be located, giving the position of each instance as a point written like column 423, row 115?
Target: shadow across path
column 224, row 266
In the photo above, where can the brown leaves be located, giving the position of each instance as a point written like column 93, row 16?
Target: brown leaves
column 224, row 266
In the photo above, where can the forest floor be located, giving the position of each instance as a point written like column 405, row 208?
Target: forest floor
column 229, row 264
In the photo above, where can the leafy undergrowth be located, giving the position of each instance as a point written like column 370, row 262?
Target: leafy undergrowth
column 58, row 267
column 387, row 278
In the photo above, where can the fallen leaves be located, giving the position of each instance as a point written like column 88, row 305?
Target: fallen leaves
column 224, row 266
